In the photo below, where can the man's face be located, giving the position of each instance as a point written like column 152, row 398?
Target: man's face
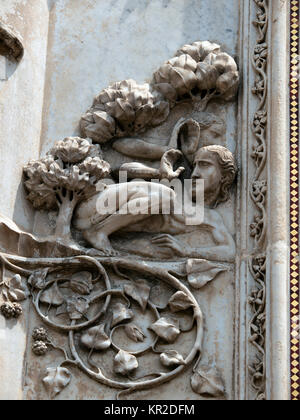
column 206, row 168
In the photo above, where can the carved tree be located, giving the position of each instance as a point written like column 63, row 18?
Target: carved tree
column 67, row 175
column 198, row 72
column 124, row 108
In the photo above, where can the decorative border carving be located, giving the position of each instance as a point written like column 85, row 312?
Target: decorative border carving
column 258, row 193
column 294, row 197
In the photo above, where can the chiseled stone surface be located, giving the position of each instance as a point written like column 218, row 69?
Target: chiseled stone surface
column 89, row 47
column 21, row 104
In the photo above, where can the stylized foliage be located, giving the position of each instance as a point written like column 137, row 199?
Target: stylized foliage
column 167, row 329
column 199, row 71
column 67, row 175
column 125, row 363
column 171, row 358
column 207, row 381
column 96, row 338
column 125, row 108
column 135, row 333
column 56, row 380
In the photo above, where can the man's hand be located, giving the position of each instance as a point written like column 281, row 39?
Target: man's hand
column 167, row 165
column 169, row 246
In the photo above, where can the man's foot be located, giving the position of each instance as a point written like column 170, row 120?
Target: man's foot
column 100, row 241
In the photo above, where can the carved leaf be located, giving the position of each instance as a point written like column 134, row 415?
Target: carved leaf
column 96, row 338
column 207, row 381
column 99, row 126
column 77, row 307
column 82, row 283
column 143, row 116
column 161, row 112
column 179, row 302
column 120, row 109
column 95, row 167
column 223, row 62
column 228, row 84
column 167, row 329
column 125, row 363
column 62, row 309
column 207, row 76
column 171, row 358
column 201, row 272
column 167, row 91
column 121, row 313
column 52, row 296
column 135, row 333
column 56, row 380
column 16, row 292
column 38, row 279
column 182, row 79
column 139, row 291
column 72, row 149
column 184, row 61
column 199, row 50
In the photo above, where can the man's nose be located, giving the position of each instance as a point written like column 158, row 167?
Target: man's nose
column 196, row 174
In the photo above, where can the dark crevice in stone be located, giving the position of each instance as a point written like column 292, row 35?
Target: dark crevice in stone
column 10, row 45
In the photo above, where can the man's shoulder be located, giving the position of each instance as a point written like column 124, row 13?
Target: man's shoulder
column 212, row 216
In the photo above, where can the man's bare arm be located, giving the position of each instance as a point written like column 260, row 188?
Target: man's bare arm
column 138, row 170
column 139, row 149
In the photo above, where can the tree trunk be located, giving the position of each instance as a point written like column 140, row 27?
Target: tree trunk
column 64, row 218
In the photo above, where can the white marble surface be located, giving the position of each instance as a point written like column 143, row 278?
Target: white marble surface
column 89, row 45
column 95, row 43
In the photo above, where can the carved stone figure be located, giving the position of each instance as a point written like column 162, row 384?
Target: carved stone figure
column 214, row 165
column 68, row 273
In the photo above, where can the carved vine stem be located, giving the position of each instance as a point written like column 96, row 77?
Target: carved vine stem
column 258, row 195
column 54, row 265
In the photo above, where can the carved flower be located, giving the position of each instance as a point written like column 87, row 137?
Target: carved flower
column 259, row 189
column 255, row 227
column 258, row 152
column 261, row 55
column 259, row 86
